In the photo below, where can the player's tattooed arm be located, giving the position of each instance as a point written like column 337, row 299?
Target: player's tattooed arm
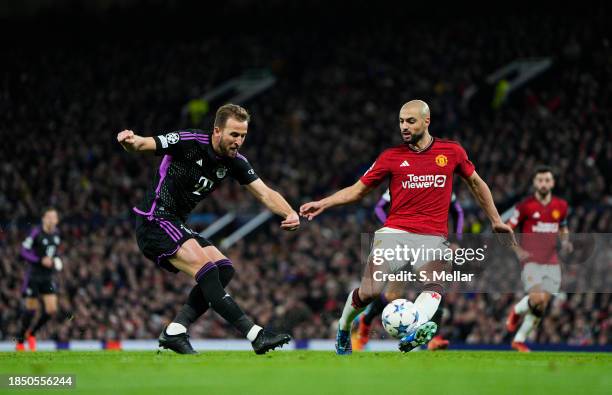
column 483, row 196
column 132, row 142
column 347, row 195
column 276, row 203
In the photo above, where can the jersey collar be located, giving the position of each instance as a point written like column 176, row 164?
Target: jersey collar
column 424, row 149
column 542, row 204
column 212, row 155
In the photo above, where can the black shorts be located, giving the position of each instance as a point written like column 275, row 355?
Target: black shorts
column 159, row 237
column 34, row 286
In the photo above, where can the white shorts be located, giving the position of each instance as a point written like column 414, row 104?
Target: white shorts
column 548, row 277
column 420, row 249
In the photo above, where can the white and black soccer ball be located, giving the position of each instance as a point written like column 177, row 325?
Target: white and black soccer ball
column 400, row 317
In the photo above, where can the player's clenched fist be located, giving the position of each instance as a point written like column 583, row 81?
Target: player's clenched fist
column 127, row 139
column 311, row 210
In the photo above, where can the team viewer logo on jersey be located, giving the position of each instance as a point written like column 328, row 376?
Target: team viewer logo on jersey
column 545, row 227
column 424, row 181
column 441, row 160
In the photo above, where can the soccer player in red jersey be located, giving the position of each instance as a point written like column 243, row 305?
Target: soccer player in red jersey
column 361, row 337
column 541, row 217
column 421, row 176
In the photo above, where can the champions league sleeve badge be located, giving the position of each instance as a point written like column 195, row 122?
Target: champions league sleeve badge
column 172, row 138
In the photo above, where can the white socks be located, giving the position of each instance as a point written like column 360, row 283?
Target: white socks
column 529, row 322
column 427, row 304
column 175, row 329
column 349, row 313
column 253, row 332
column 522, row 306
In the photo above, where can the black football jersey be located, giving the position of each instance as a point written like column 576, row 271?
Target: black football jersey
column 189, row 171
column 37, row 245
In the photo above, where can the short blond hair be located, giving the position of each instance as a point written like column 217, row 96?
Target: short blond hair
column 228, row 111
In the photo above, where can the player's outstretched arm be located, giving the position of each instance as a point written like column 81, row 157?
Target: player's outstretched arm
column 132, row 142
column 276, row 203
column 351, row 194
column 483, row 196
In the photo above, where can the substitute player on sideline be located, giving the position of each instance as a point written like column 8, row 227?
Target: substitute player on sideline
column 421, row 171
column 40, row 249
column 194, row 164
column 545, row 215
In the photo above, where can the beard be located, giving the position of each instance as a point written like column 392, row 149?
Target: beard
column 414, row 138
column 543, row 192
column 226, row 150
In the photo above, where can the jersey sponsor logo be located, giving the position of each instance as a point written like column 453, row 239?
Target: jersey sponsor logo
column 545, row 227
column 556, row 214
column 221, row 172
column 405, row 164
column 424, row 181
column 441, row 160
column 172, row 138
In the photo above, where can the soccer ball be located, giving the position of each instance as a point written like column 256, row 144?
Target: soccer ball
column 400, row 317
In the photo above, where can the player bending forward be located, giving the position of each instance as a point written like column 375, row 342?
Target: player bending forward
column 194, row 164
column 421, row 177
column 545, row 215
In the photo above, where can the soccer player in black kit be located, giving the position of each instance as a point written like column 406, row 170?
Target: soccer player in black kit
column 40, row 250
column 194, row 164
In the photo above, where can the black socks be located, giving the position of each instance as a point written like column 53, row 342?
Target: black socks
column 210, row 285
column 196, row 303
column 26, row 320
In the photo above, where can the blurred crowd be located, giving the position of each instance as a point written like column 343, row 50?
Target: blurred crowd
column 332, row 111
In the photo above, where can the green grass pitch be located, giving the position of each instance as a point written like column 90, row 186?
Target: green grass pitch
column 311, row 372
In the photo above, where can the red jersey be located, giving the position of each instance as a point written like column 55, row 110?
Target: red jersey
column 545, row 220
column 421, row 184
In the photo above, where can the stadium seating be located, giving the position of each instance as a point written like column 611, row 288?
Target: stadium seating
column 63, row 107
